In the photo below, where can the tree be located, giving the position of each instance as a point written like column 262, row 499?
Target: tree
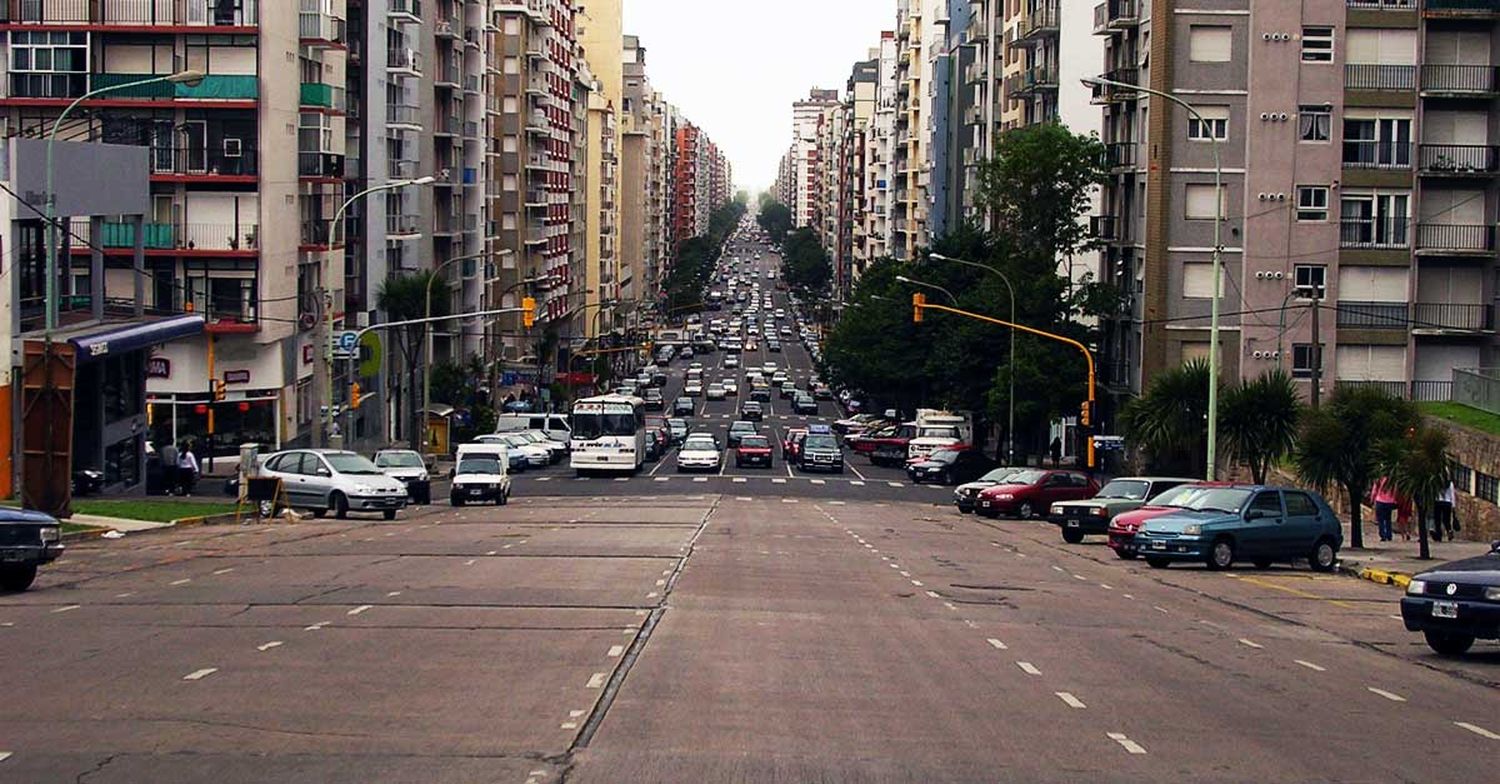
column 1339, row 443
column 1417, row 464
column 1039, row 185
column 805, row 264
column 775, row 219
column 1258, row 421
column 404, row 298
column 1169, row 420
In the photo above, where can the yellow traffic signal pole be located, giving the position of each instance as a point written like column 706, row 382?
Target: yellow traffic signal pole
column 919, row 303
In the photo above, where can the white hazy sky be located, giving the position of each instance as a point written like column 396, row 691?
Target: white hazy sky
column 734, row 67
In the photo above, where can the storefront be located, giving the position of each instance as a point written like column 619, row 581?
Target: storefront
column 249, row 406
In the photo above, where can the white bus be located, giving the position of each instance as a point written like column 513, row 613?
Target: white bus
column 609, row 434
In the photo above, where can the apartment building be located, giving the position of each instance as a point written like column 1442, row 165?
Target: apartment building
column 600, row 37
column 879, row 149
column 807, row 117
column 851, row 253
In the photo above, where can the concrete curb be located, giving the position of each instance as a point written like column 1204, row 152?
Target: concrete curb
column 1378, row 576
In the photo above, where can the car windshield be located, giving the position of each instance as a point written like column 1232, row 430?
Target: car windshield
column 350, row 463
column 1174, row 496
column 755, row 442
column 742, row 427
column 399, row 460
column 820, row 441
column 998, row 475
column 700, row 445
column 478, row 464
column 676, row 423
column 1214, row 499
column 1025, row 477
column 1128, row 489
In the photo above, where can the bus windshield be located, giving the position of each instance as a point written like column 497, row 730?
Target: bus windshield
column 589, row 426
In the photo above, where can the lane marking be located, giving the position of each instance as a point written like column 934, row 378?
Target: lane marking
column 198, row 675
column 183, row 581
column 838, row 503
column 652, row 595
column 1028, row 668
column 622, row 479
column 1127, row 596
column 1309, row 665
column 493, row 552
column 661, row 479
column 615, row 651
column 739, row 480
column 1477, row 730
column 1126, row 743
column 894, row 484
column 1080, row 577
column 1070, row 700
column 469, row 562
column 905, row 573
column 778, row 481
column 544, row 479
column 1392, row 696
column 933, row 594
column 917, row 583
column 573, row 714
column 66, row 608
column 743, row 498
column 1250, row 643
column 269, row 645
column 127, row 594
column 4, row 755
column 224, row 571
column 597, row 680
column 1106, row 587
column 997, row 645
column 857, row 482
column 359, row 609
column 950, row 606
column 1299, row 593
column 316, row 626
column 567, row 725
column 1056, row 568
column 1159, row 608
column 790, row 501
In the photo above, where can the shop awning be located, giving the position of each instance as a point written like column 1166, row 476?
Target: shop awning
column 135, row 336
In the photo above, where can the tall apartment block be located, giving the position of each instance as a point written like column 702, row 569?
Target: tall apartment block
column 806, row 165
column 600, row 37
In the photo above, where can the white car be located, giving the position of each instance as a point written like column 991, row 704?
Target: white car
column 535, row 456
column 330, row 480
column 699, row 452
column 480, row 475
column 693, row 389
column 558, row 449
column 731, row 362
column 768, row 369
column 731, row 387
column 716, row 392
column 408, row 467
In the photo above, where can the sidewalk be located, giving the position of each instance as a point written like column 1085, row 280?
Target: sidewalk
column 1394, row 563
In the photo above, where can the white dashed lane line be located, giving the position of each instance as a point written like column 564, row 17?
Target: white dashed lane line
column 1477, row 730
column 996, row 644
column 1028, row 668
column 66, row 608
column 360, row 609
column 597, row 680
column 4, row 755
column 263, row 647
column 198, row 675
column 1126, row 743
column 1070, row 700
column 1309, row 665
column 1250, row 643
column 1392, row 696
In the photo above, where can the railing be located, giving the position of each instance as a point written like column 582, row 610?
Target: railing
column 1458, row 158
column 327, row 96
column 320, row 164
column 403, row 60
column 1103, row 227
column 1478, row 79
column 400, row 169
column 402, row 114
column 1375, row 233
column 1451, row 317
column 404, row 8
column 1478, row 388
column 1041, row 19
column 1372, row 154
column 175, row 236
column 1119, row 155
column 1455, row 237
column 157, row 13
column 1109, row 93
column 1431, row 391
column 227, row 311
column 50, row 85
column 1372, row 315
column 1360, row 76
column 1116, row 14
column 213, row 87
column 1396, row 389
column 318, row 26
column 315, row 233
column 1382, row 5
column 211, row 161
column 401, row 224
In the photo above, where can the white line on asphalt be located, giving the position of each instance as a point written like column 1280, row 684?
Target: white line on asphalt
column 622, row 479
column 1080, row 577
column 950, row 606
column 124, row 595
column 508, row 546
column 1126, row 743
column 573, row 714
column 1028, row 668
column 743, row 498
column 905, row 573
column 1106, row 586
column 895, row 484
column 1020, row 555
column 1250, row 643
column 1127, row 596
column 544, row 479
column 493, row 552
column 1070, row 700
column 819, row 481
column 615, row 651
column 597, row 680
column 316, row 626
column 778, row 481
column 268, row 646
column 971, row 624
column 857, row 483
column 4, row 755
column 892, row 565
column 933, row 594
column 580, row 479
column 198, row 675
column 1159, row 608
column 224, row 571
column 790, row 501
column 662, row 479
column 660, row 583
column 917, row 583
column 996, row 644
column 469, row 562
column 1392, row 696
column 1056, row 568
column 183, row 581
column 360, row 609
column 1477, row 730
column 66, row 608
column 567, row 725
column 862, row 477
column 1309, row 665
column 700, row 479
column 652, row 595
column 739, row 480
column 838, row 503
column 7, row 624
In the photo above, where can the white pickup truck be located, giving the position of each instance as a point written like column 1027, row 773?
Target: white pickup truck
column 937, row 429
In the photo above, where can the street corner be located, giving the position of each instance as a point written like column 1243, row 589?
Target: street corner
column 1380, row 576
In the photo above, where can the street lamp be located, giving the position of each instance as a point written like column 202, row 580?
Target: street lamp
column 1010, row 432
column 427, row 348
column 190, row 77
column 1218, row 265
column 952, row 300
column 333, row 227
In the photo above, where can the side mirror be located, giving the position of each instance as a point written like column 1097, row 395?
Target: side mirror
column 323, row 471
column 1255, row 514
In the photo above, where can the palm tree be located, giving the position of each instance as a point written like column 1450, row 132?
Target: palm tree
column 1168, row 421
column 1417, row 465
column 1338, row 444
column 1258, row 421
column 402, row 299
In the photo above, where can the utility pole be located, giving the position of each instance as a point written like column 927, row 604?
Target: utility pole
column 1315, row 303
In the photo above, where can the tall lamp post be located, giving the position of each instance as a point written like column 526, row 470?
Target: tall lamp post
column 1010, row 427
column 327, row 366
column 1218, row 263
column 191, row 78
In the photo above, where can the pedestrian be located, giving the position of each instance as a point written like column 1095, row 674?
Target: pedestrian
column 1056, row 449
column 1442, row 513
column 1403, row 517
column 187, row 469
column 167, row 454
column 1383, row 495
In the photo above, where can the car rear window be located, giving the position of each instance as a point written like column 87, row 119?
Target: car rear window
column 1300, row 504
column 755, row 442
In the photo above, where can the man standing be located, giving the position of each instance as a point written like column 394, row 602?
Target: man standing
column 168, row 456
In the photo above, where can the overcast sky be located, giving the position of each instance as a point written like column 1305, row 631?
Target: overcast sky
column 734, row 67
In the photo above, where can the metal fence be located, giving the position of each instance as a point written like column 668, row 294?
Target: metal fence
column 1478, row 388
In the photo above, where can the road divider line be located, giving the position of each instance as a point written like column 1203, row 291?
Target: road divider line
column 183, row 581
column 1309, row 665
column 66, row 608
column 125, row 595
column 615, row 651
column 1028, row 668
column 1126, row 743
column 1160, row 609
column 917, row 583
column 1070, row 700
column 1250, row 643
column 266, row 646
column 4, row 755
column 857, row 483
column 316, row 626
column 1392, row 696
column 996, row 644
column 198, row 675
column 597, row 680
column 224, row 571
column 934, row 595
column 1477, row 730
column 360, row 609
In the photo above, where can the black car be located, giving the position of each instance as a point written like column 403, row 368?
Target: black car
column 740, row 429
column 820, row 451
column 751, row 411
column 803, row 403
column 950, row 467
column 1456, row 603
column 760, row 393
column 653, row 400
column 27, row 540
column 658, row 378
column 654, row 447
column 677, row 429
column 684, row 406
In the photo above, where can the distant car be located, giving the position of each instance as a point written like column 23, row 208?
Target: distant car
column 820, row 451
column 699, row 451
column 1263, row 525
column 687, row 352
column 779, row 378
column 558, row 450
column 693, row 389
column 753, row 450
column 821, row 391
column 28, row 540
column 773, row 346
column 966, row 495
column 653, row 400
column 731, row 387
column 330, row 480
column 803, row 403
column 740, row 429
column 1078, row 519
column 1124, row 526
column 949, row 467
column 677, row 430
column 716, row 392
column 1029, row 493
column 751, row 410
column 791, row 446
column 479, row 476
column 731, row 362
column 760, row 393
column 408, row 467
column 1456, row 603
column 684, row 406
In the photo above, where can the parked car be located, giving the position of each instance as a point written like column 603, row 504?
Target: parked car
column 753, row 450
column 28, row 540
column 820, row 451
column 1078, row 519
column 556, row 450
column 1219, row 525
column 740, row 429
column 655, row 445
column 821, row 391
column 480, row 474
column 1123, row 526
column 699, row 452
column 1027, row 493
column 885, row 446
column 330, row 480
column 1456, row 603
column 407, row 467
column 677, row 430
column 684, row 406
column 949, row 466
column 966, row 495
column 653, row 400
column 534, row 456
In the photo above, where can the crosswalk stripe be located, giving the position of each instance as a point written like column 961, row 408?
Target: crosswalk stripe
column 856, row 483
column 544, row 479
column 895, row 484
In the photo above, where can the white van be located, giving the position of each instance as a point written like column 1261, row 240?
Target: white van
column 554, row 425
column 480, row 474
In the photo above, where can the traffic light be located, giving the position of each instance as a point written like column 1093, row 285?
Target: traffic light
column 354, row 395
column 219, row 391
column 1086, row 414
column 528, row 312
column 918, row 301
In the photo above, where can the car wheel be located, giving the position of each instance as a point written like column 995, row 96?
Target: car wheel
column 1220, row 555
column 1448, row 643
column 1125, row 555
column 339, row 504
column 1158, row 563
column 389, row 514
column 1324, row 557
column 17, row 578
column 1072, row 535
column 1025, row 511
column 504, row 499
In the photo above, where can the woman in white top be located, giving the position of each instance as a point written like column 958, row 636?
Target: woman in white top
column 1442, row 514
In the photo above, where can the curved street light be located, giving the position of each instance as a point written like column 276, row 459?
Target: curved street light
column 1010, row 431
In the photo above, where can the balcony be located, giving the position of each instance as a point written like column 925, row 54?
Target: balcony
column 232, row 313
column 214, row 87
column 1103, row 227
column 1372, row 154
column 403, row 62
column 402, row 226
column 1040, row 23
column 1459, row 80
column 193, row 162
column 1436, row 318
column 1380, row 78
column 403, row 115
column 1110, row 93
column 315, row 234
column 1372, row 315
column 404, row 11
column 1116, row 15
column 186, row 238
column 1375, row 233
column 318, row 29
column 324, row 96
column 1381, row 5
column 1448, row 238
column 1033, row 80
column 132, row 13
column 322, row 165
column 1119, row 155
column 1458, row 160
column 1462, row 8
column 447, row 29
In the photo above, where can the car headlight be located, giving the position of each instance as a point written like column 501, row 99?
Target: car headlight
column 1192, row 530
column 1099, row 511
column 51, row 533
column 1492, row 594
column 1005, row 496
column 423, row 477
column 1057, row 509
column 1418, row 587
column 364, row 489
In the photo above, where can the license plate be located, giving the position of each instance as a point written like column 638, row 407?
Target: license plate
column 985, row 504
column 1445, row 609
column 1158, row 545
column 1072, row 523
column 475, row 491
column 14, row 555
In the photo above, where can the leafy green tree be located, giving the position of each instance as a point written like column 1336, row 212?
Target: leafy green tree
column 775, row 219
column 1339, row 443
column 1039, row 185
column 404, row 298
column 1258, row 421
column 805, row 264
column 1169, row 420
column 1417, row 464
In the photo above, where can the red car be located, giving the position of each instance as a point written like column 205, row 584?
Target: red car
column 791, row 447
column 1123, row 527
column 885, row 446
column 753, row 450
column 1033, row 492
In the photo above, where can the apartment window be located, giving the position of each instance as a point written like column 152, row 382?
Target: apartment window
column 508, row 221
column 1462, row 475
column 1375, row 219
column 508, row 182
column 510, row 144
column 1486, row 487
column 48, row 64
column 1317, row 44
column 1312, row 202
column 1377, row 143
column 512, row 25
column 1314, row 123
column 1304, row 355
column 1213, row 125
column 1199, row 202
column 1311, row 276
column 1198, row 280
column 1209, row 43
column 512, row 65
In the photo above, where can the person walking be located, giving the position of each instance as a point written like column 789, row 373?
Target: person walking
column 187, row 469
column 167, row 454
column 1056, row 449
column 1442, row 513
column 1384, row 497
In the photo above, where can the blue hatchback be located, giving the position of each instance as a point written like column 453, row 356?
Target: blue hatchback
column 1221, row 524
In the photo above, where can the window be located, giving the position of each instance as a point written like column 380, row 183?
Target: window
column 48, row 64
column 1311, row 276
column 1317, row 44
column 1214, row 125
column 1314, row 123
column 511, row 65
column 1199, row 202
column 1303, row 357
column 1312, row 202
column 1486, row 487
column 1382, row 143
column 1209, row 43
column 1198, row 280
column 1269, row 503
column 1463, row 476
column 1299, row 505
